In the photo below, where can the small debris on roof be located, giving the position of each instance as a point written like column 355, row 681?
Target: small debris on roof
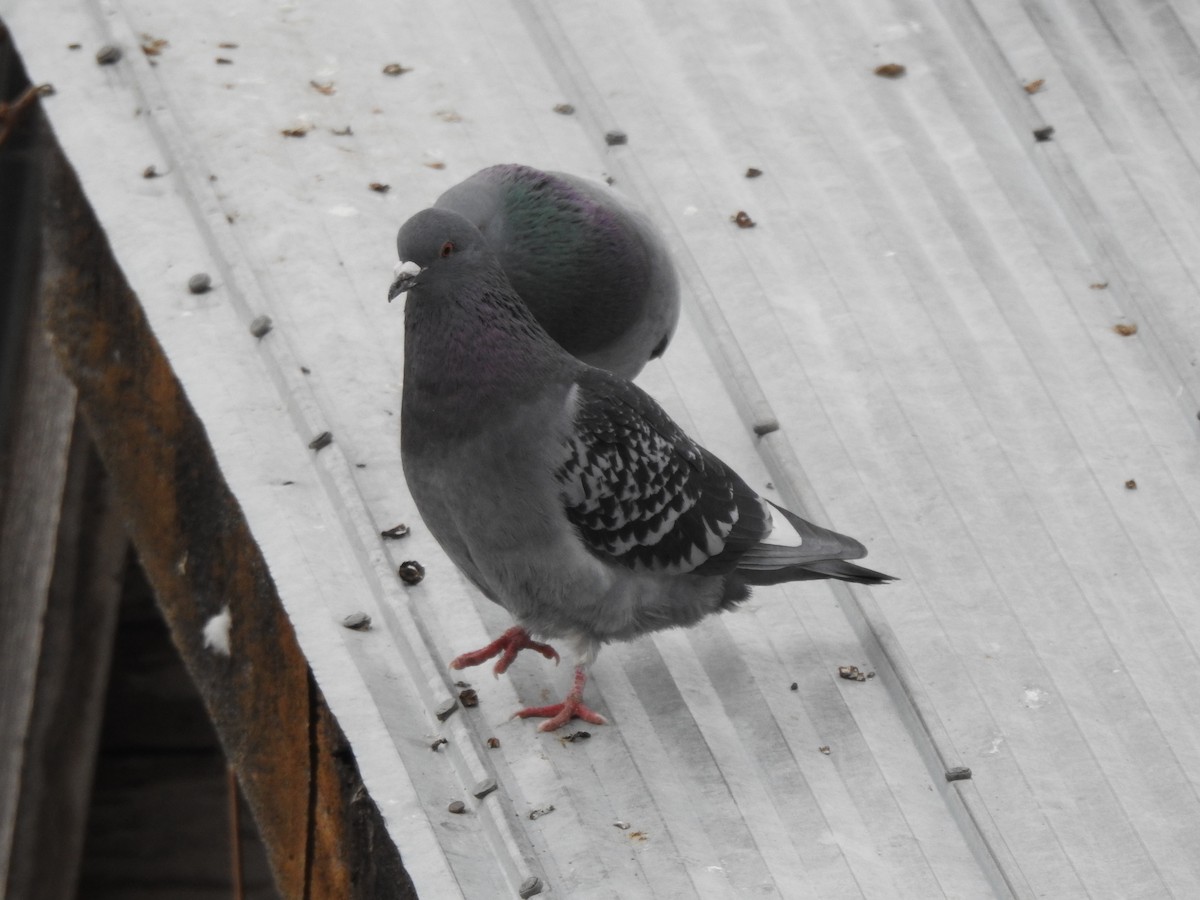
column 321, row 441
column 150, row 172
column 223, row 61
column 379, row 187
column 395, row 69
column 395, row 532
column 153, row 46
column 108, row 54
column 357, row 621
column 1131, row 485
column 824, row 749
column 624, row 826
column 742, row 219
column 852, row 673
column 75, row 46
column 530, row 887
column 616, row 138
column 795, row 686
column 484, row 787
column 438, row 744
column 536, row 814
column 766, row 427
column 494, row 744
column 564, row 109
column 575, row 737
column 200, row 283
column 753, row 172
column 261, row 326
column 324, row 87
column 468, row 698
column 411, row 572
column 1041, row 135
column 298, row 132
column 446, row 709
column 227, row 45
column 1032, row 87
column 457, row 807
column 1098, row 285
column 638, row 836
column 1125, row 329
column 890, row 70
column 435, row 165
column 342, row 132
column 958, row 773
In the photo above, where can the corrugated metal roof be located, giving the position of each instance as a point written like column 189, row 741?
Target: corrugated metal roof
column 926, row 306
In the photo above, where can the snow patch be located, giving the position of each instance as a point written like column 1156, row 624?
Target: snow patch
column 216, row 632
column 1035, row 698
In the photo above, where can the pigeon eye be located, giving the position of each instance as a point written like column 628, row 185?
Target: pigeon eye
column 447, row 249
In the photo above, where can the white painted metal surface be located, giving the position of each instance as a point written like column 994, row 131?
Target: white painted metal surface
column 926, row 307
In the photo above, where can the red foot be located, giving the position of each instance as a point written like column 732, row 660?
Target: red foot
column 572, row 707
column 508, row 645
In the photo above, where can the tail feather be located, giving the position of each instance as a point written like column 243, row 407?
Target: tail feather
column 829, row 568
column 821, row 554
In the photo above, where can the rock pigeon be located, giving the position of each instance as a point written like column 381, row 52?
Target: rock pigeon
column 595, row 272
column 562, row 491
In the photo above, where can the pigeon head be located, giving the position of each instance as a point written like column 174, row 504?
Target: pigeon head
column 433, row 242
column 470, row 343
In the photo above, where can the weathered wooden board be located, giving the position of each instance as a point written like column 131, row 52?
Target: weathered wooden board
column 192, row 541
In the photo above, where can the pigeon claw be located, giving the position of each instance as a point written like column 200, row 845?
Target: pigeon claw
column 511, row 651
column 572, row 707
column 507, row 646
column 559, row 714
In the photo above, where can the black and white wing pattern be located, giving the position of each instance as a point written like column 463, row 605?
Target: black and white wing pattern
column 642, row 493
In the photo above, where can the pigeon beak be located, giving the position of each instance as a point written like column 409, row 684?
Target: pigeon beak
column 404, row 278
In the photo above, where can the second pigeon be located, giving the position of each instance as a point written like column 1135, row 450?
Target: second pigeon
column 594, row 271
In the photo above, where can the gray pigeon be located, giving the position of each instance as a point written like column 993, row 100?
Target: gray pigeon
column 563, row 492
column 595, row 272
